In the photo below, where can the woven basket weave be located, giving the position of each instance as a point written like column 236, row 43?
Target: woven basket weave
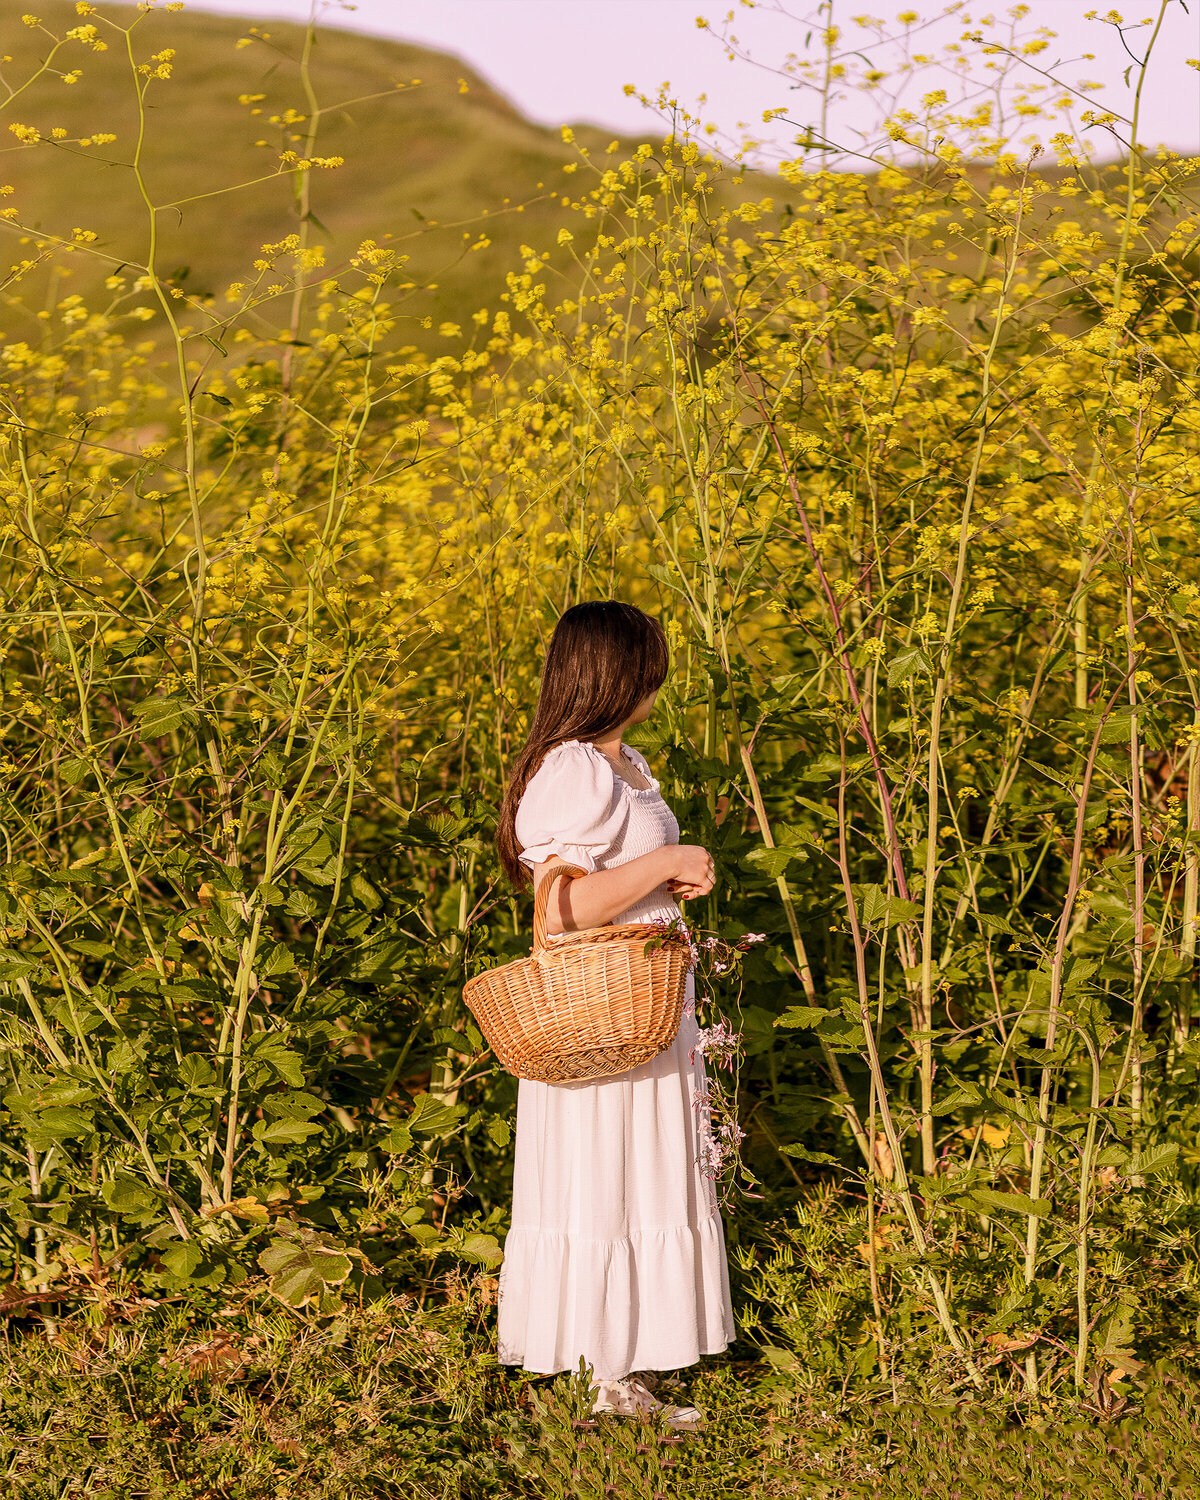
column 584, row 1005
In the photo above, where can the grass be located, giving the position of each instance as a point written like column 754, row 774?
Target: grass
column 389, row 1399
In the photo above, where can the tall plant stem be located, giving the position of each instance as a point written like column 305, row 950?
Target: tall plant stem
column 1191, row 882
column 841, row 653
column 1079, row 603
column 1136, row 777
column 302, row 197
column 246, row 982
column 848, row 1111
column 903, row 1188
column 933, row 776
column 1049, row 1067
column 1086, row 1166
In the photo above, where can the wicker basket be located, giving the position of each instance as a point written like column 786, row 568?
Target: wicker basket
column 585, row 1004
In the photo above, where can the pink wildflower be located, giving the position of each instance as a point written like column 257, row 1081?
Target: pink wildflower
column 717, row 1042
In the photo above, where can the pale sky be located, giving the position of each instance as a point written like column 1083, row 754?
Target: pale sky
column 567, row 61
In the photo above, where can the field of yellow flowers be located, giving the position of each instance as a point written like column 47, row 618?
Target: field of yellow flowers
column 907, row 460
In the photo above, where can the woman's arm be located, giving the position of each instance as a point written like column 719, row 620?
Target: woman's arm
column 571, row 811
column 592, row 900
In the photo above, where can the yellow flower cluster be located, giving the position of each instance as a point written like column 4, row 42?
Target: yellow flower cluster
column 915, row 404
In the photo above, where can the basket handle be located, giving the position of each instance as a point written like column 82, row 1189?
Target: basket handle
column 542, row 896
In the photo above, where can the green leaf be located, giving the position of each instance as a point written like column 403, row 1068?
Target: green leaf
column 954, row 1186
column 481, row 1248
column 284, row 1132
column 60, row 1123
column 375, row 963
column 966, row 1094
column 278, row 961
column 183, row 1260
column 195, row 1071
column 296, row 1104
column 878, row 907
column 802, row 1153
column 313, row 850
column 128, row 1195
column 73, row 770
column 397, row 1141
column 286, row 1063
column 1116, row 725
column 781, row 1359
column 795, row 836
column 143, row 823
column 14, row 966
column 431, row 1116
column 828, row 767
column 803, row 1016
column 842, row 1035
column 304, row 1268
column 160, row 716
column 302, row 904
column 987, row 1200
column 90, row 949
column 59, row 647
column 364, row 892
column 906, row 663
column 138, row 645
column 446, row 1036
column 773, row 862
column 757, row 1025
column 1115, row 1331
column 994, row 922
column 826, row 814
column 1014, row 1304
column 1154, row 1159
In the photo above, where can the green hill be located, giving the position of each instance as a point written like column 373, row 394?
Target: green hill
column 423, row 163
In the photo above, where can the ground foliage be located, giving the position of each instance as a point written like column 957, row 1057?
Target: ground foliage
column 384, row 1400
column 907, row 462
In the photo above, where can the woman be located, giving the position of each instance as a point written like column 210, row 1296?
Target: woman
column 616, row 1252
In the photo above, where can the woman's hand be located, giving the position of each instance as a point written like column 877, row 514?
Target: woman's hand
column 692, row 873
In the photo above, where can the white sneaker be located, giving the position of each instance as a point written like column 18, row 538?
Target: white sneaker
column 684, row 1418
column 625, row 1397
column 628, row 1396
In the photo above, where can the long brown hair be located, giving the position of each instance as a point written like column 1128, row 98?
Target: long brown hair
column 603, row 659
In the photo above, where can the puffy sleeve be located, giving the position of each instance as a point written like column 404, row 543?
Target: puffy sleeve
column 571, row 807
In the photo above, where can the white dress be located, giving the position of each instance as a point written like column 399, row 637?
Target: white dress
column 616, row 1250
